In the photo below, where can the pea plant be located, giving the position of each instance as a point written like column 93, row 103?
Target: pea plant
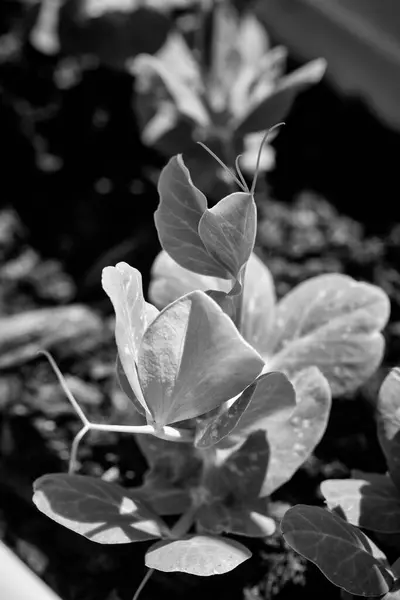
column 224, row 88
column 333, row 539
column 231, row 389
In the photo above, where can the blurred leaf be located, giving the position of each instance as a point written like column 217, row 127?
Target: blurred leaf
column 123, row 285
column 177, row 220
column 332, row 322
column 253, row 40
column 113, row 31
column 388, row 417
column 337, row 548
column 228, row 231
column 291, row 441
column 198, row 555
column 371, row 501
column 265, row 112
column 192, row 359
column 100, row 511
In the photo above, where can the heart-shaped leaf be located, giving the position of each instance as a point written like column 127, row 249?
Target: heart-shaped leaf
column 337, row 548
column 388, row 412
column 123, row 285
column 192, row 359
column 332, row 322
column 291, row 441
column 228, row 231
column 370, row 501
column 267, row 107
column 177, row 220
column 100, row 511
column 198, row 555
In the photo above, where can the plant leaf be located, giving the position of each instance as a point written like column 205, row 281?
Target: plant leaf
column 270, row 107
column 177, row 220
column 228, row 231
column 371, row 501
column 388, row 417
column 140, row 418
column 334, row 546
column 258, row 308
column 292, row 440
column 123, row 285
column 100, row 511
column 198, row 555
column 332, row 322
column 192, row 359
column 273, row 401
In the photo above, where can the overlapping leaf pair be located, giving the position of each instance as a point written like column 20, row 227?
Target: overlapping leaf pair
column 180, row 363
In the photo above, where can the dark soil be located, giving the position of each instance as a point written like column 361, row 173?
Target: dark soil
column 78, row 193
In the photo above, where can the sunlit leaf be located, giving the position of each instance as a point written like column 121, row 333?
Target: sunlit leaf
column 198, row 555
column 228, row 231
column 371, row 501
column 192, row 359
column 100, row 511
column 337, row 548
column 388, row 412
column 292, row 440
column 334, row 323
column 267, row 109
column 177, row 220
column 123, row 285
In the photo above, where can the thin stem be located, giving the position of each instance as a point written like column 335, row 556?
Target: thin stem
column 239, row 172
column 223, row 165
column 64, row 386
column 74, row 449
column 265, row 138
column 143, row 583
column 169, row 433
column 184, row 523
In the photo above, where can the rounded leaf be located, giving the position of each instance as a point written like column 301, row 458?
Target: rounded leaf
column 338, row 549
column 388, row 413
column 198, row 555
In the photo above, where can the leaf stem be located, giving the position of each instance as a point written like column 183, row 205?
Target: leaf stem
column 64, row 386
column 143, row 583
column 74, row 449
column 168, row 433
column 184, row 523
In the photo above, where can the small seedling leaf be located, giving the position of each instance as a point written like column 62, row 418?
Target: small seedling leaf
column 228, row 231
column 371, row 501
column 198, row 555
column 192, row 359
column 100, row 511
column 177, row 220
column 336, row 547
column 292, row 440
column 123, row 285
column 334, row 323
column 388, row 412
